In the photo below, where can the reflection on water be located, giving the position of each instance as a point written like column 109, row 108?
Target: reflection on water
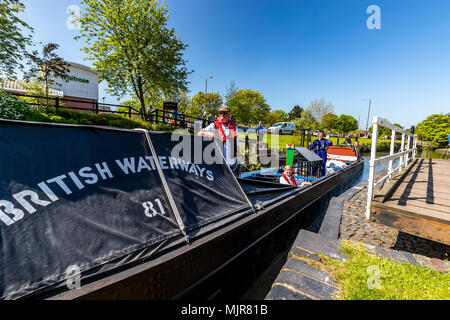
column 366, row 157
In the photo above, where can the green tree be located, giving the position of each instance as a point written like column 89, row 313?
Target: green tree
column 306, row 121
column 231, row 91
column 296, row 112
column 319, row 108
column 47, row 68
column 346, row 123
column 199, row 105
column 12, row 39
column 125, row 109
column 329, row 121
column 276, row 116
column 248, row 106
column 382, row 131
column 435, row 129
column 38, row 101
column 133, row 48
column 183, row 100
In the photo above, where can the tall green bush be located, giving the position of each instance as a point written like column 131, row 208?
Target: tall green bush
column 11, row 107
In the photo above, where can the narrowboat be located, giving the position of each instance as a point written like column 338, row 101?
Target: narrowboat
column 101, row 213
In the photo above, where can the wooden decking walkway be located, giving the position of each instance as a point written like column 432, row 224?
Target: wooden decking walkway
column 417, row 201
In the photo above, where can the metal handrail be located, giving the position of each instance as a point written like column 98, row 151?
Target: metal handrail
column 402, row 154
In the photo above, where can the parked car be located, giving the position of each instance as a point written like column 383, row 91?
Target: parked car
column 242, row 129
column 282, row 128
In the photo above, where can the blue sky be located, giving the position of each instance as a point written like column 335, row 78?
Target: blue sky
column 295, row 51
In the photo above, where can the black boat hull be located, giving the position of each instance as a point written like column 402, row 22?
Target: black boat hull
column 225, row 263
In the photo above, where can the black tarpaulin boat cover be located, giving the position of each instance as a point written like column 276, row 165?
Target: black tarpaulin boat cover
column 87, row 197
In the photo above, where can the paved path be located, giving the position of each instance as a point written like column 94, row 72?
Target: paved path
column 355, row 227
column 345, row 219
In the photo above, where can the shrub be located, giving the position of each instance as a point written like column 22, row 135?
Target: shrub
column 62, row 115
column 37, row 116
column 85, row 122
column 161, row 127
column 57, row 119
column 11, row 107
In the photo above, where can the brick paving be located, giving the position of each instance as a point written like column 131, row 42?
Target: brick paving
column 355, row 227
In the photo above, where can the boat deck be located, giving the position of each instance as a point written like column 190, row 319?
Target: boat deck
column 417, row 201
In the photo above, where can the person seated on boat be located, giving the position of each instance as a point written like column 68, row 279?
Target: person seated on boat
column 320, row 146
column 288, row 178
column 228, row 133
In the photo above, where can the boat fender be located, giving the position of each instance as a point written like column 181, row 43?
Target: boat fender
column 259, row 206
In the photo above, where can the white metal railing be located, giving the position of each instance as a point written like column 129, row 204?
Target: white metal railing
column 403, row 154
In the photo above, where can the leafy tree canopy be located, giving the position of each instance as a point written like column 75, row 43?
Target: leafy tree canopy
column 12, row 39
column 296, row 112
column 133, row 48
column 435, row 129
column 382, row 131
column 248, row 106
column 329, row 121
column 276, row 116
column 306, row 121
column 47, row 68
column 199, row 105
column 124, row 109
column 231, row 91
column 346, row 123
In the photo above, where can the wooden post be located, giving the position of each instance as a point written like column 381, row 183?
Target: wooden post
column 302, row 142
column 247, row 149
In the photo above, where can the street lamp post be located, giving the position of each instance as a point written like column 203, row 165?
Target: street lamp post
column 368, row 113
column 206, row 88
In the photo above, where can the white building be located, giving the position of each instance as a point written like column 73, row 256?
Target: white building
column 80, row 91
column 82, row 83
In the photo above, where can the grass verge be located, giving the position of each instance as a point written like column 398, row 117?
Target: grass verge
column 280, row 141
column 367, row 277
